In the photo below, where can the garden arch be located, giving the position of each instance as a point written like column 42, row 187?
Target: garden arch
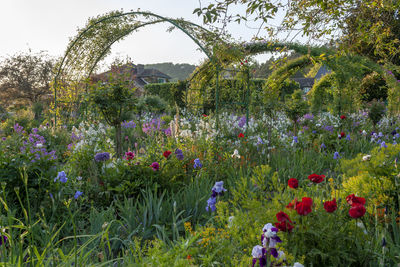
column 94, row 42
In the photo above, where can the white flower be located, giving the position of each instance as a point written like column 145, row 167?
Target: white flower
column 296, row 264
column 236, row 154
column 79, row 178
column 366, row 158
column 257, row 252
column 39, row 145
column 281, row 255
column 364, row 132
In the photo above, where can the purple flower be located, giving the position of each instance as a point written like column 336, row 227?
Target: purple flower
column 383, row 144
column 197, row 163
column 260, row 141
column 167, row 131
column 329, row 128
column 348, row 137
column 211, row 204
column 3, row 239
column 179, row 154
column 295, row 139
column 62, row 177
column 18, row 128
column 218, row 189
column 155, row 166
column 78, row 194
column 242, row 121
column 323, row 146
column 308, row 116
column 4, row 138
column 336, row 155
column 102, row 156
column 258, row 253
column 128, row 124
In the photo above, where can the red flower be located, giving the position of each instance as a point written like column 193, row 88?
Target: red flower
column 241, row 135
column 283, row 217
column 343, row 117
column 342, row 134
column 357, row 211
column 129, row 155
column 284, row 226
column 204, row 115
column 353, row 200
column 293, row 183
column 330, row 206
column 315, row 178
column 167, row 153
column 304, row 207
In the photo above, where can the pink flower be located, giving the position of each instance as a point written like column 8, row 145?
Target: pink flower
column 155, row 166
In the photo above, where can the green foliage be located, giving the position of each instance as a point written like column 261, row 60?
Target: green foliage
column 322, row 93
column 295, row 106
column 151, row 103
column 172, row 93
column 373, row 86
column 376, row 111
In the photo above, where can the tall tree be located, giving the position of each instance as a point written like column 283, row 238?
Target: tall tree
column 25, row 76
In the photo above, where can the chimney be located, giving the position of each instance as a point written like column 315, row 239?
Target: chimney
column 139, row 68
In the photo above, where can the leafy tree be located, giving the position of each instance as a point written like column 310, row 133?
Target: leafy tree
column 114, row 97
column 295, row 107
column 26, row 76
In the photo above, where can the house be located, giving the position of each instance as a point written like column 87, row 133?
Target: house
column 137, row 74
column 307, row 83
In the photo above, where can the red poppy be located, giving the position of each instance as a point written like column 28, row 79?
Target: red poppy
column 167, row 153
column 283, row 217
column 304, row 207
column 343, row 117
column 357, row 211
column 204, row 115
column 241, row 135
column 315, row 178
column 354, row 200
column 342, row 134
column 330, row 206
column 284, row 226
column 189, row 257
column 293, row 183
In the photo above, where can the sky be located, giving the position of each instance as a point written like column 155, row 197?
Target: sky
column 48, row 25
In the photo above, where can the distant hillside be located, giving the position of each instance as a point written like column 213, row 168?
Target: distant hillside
column 175, row 71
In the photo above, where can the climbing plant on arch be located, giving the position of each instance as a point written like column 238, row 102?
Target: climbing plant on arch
column 93, row 43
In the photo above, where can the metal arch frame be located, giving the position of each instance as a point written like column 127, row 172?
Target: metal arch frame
column 101, row 20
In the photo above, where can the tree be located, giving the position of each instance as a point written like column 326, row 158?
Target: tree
column 114, row 97
column 26, row 76
column 369, row 28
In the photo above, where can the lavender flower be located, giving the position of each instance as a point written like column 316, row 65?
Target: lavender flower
column 18, row 128
column 242, row 121
column 308, row 116
column 323, row 146
column 128, row 124
column 348, row 138
column 102, row 156
column 329, row 128
column 383, row 144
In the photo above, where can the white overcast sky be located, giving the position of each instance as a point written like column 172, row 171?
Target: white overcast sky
column 47, row 25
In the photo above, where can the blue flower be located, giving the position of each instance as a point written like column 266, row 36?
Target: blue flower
column 78, row 194
column 62, row 177
column 348, row 137
column 179, row 154
column 383, row 144
column 295, row 139
column 102, row 156
column 218, row 189
column 197, row 163
column 211, row 204
column 260, row 141
column 336, row 155
column 323, row 146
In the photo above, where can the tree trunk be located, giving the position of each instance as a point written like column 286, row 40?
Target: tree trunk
column 118, row 140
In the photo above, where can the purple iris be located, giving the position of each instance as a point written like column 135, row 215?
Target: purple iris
column 348, row 138
column 62, row 177
column 336, row 155
column 197, row 164
column 102, row 156
column 323, row 146
column 211, row 204
column 259, row 253
column 383, row 144
column 242, row 121
column 78, row 194
column 218, row 189
column 179, row 154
